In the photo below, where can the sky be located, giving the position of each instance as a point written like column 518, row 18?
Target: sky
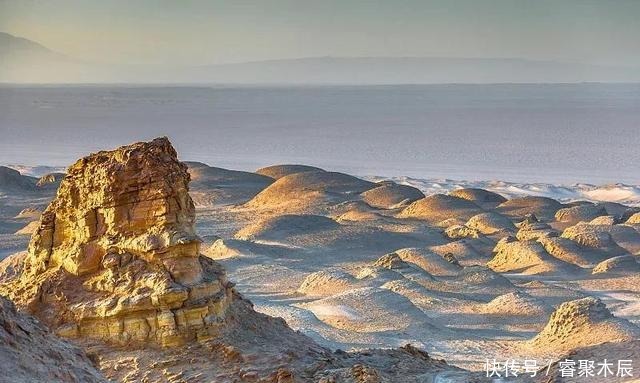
column 198, row 32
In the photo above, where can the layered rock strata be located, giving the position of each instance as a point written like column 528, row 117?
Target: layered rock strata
column 115, row 256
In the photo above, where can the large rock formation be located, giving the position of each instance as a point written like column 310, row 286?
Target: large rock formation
column 116, row 257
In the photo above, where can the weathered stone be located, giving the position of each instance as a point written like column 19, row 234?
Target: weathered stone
column 116, row 257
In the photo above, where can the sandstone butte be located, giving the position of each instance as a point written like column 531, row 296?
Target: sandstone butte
column 115, row 256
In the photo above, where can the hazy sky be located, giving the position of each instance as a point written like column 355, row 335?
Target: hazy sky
column 203, row 32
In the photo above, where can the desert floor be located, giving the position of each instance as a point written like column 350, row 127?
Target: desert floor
column 465, row 273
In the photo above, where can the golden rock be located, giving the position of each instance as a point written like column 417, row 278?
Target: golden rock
column 116, row 257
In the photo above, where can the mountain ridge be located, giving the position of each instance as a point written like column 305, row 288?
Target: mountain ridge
column 26, row 61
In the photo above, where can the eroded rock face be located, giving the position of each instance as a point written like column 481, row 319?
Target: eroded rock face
column 116, row 257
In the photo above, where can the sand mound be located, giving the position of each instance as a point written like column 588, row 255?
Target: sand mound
column 463, row 251
column 479, row 196
column 527, row 257
column 355, row 211
column 581, row 323
column 211, row 185
column 390, row 194
column 327, row 282
column 391, row 267
column 30, row 353
column 275, row 228
column 491, row 223
column 429, row 261
column 634, row 219
column 605, row 220
column 542, row 207
column 580, row 213
column 309, row 190
column 619, row 264
column 358, row 216
column 279, row 171
column 515, row 303
column 606, row 237
column 231, row 248
column 439, row 207
column 482, row 276
column 368, row 309
column 570, row 252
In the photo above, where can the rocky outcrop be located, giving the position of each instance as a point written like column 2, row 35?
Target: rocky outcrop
column 583, row 322
column 116, row 257
column 50, row 181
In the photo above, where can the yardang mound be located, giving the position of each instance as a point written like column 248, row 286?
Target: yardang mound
column 581, row 323
column 439, row 207
column 279, row 171
column 309, row 191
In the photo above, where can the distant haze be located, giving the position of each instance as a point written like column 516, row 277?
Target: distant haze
column 329, row 41
column 25, row 61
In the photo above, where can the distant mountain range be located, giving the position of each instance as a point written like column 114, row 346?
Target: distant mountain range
column 25, row 61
